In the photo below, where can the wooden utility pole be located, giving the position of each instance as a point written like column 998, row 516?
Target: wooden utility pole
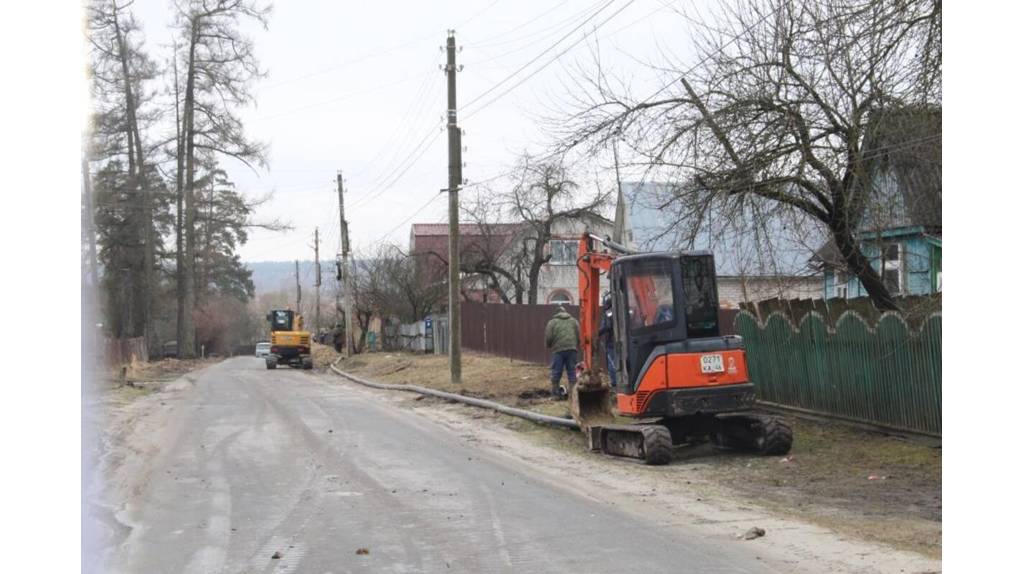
column 346, row 270
column 298, row 290
column 454, row 182
column 316, row 260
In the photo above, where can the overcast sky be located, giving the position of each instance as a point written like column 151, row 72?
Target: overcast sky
column 356, row 86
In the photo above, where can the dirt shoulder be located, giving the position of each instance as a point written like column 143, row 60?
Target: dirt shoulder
column 858, row 483
column 126, row 427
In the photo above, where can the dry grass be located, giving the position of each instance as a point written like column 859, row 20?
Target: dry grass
column 323, row 355
column 156, row 371
column 888, row 489
column 484, row 376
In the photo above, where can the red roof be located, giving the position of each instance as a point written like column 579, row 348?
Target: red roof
column 441, row 229
column 475, row 241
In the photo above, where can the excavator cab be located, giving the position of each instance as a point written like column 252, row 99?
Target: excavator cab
column 673, row 359
column 281, row 319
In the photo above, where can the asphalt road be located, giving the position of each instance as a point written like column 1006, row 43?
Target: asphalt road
column 283, row 462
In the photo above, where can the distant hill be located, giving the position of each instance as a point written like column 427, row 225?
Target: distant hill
column 271, row 276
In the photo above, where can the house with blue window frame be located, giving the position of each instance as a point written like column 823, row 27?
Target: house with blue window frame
column 900, row 226
column 908, row 258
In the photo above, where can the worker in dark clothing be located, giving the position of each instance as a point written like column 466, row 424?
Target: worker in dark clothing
column 338, row 339
column 562, row 338
column 604, row 331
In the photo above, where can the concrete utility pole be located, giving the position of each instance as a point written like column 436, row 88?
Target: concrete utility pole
column 89, row 225
column 316, row 260
column 618, row 231
column 298, row 290
column 345, row 269
column 454, row 182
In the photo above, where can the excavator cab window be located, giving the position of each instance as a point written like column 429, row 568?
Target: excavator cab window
column 649, row 294
column 700, row 296
column 281, row 320
column 645, row 311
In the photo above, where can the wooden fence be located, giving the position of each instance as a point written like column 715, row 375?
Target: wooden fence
column 121, row 351
column 915, row 309
column 889, row 375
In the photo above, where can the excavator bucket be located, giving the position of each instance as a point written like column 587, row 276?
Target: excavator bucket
column 590, row 402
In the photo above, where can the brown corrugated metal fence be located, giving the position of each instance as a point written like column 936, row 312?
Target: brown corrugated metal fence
column 517, row 331
column 513, row 331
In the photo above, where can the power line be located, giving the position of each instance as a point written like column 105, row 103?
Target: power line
column 378, row 53
column 406, row 134
column 339, row 98
column 520, row 26
column 403, row 126
column 540, row 55
column 545, row 33
column 549, row 62
column 380, row 239
column 410, row 160
column 645, row 100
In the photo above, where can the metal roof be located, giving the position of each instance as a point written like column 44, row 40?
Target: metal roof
column 779, row 246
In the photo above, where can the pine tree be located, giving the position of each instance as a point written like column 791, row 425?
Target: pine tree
column 218, row 68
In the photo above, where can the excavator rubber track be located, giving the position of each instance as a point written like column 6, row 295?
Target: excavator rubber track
column 758, row 433
column 590, row 405
column 649, row 443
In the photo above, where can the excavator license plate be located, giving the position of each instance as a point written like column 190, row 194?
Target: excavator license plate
column 711, row 364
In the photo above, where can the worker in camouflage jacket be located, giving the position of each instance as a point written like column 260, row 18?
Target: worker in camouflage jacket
column 562, row 338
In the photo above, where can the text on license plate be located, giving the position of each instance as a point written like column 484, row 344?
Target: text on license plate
column 711, row 364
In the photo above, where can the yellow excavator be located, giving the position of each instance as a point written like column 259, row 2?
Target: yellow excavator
column 289, row 340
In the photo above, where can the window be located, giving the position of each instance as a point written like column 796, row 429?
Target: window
column 892, row 267
column 282, row 321
column 650, row 297
column 560, row 297
column 840, row 285
column 701, row 296
column 563, row 252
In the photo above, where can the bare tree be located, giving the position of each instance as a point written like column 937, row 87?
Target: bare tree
column 781, row 111
column 395, row 285
column 490, row 252
column 543, row 195
column 219, row 67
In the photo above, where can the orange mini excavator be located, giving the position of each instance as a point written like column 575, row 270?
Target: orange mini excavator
column 682, row 379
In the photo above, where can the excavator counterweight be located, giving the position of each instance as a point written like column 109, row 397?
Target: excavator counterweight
column 289, row 340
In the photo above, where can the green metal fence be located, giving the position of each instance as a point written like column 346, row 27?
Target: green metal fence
column 890, row 375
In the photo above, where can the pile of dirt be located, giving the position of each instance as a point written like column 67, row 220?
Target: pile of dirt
column 323, row 355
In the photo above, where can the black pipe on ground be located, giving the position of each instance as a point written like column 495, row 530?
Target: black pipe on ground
column 521, row 413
